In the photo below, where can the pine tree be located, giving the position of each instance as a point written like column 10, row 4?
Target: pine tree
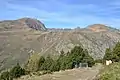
column 116, row 52
column 47, row 63
column 41, row 61
column 108, row 54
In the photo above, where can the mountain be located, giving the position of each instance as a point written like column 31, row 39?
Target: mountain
column 23, row 37
column 98, row 27
column 23, row 23
column 101, row 28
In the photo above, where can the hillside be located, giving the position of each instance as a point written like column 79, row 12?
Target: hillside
column 18, row 40
column 111, row 72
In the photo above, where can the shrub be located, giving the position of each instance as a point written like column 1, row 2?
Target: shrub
column 17, row 71
column 32, row 64
column 5, row 76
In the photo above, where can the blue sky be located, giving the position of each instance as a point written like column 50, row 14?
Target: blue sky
column 64, row 13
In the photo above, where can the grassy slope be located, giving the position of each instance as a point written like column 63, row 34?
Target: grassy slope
column 111, row 72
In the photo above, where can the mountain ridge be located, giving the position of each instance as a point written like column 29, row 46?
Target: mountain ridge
column 17, row 43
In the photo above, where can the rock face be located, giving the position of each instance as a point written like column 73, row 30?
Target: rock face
column 18, row 42
column 35, row 24
column 23, row 23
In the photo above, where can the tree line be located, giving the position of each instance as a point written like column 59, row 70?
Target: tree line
column 64, row 61
column 40, row 63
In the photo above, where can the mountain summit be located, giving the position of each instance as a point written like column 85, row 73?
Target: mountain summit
column 33, row 23
column 98, row 27
column 23, row 23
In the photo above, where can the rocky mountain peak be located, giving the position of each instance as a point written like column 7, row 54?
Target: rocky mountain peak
column 33, row 23
column 22, row 24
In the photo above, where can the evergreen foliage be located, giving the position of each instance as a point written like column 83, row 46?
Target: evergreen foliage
column 5, row 76
column 113, row 54
column 15, row 72
column 67, row 61
column 47, row 63
column 108, row 54
column 41, row 61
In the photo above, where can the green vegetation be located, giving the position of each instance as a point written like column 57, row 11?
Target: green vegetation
column 108, row 54
column 99, row 61
column 41, row 61
column 111, row 72
column 47, row 65
column 64, row 61
column 32, row 64
column 5, row 76
column 37, row 63
column 113, row 54
column 67, row 61
column 15, row 72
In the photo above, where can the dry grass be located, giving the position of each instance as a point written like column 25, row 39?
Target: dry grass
column 74, row 74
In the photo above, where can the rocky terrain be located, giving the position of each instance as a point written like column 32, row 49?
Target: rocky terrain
column 20, row 38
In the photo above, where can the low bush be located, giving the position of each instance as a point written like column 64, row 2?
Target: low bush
column 111, row 72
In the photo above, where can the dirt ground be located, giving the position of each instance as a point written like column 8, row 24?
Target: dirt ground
column 74, row 74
